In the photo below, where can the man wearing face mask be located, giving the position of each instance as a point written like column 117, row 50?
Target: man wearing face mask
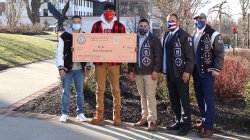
column 70, row 71
column 209, row 60
column 108, row 24
column 178, row 64
column 146, row 72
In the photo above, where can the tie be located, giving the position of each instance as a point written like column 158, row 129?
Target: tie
column 164, row 67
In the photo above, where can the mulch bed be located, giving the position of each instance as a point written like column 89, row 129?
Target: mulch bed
column 231, row 116
column 3, row 67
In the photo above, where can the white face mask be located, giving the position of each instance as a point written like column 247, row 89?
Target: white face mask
column 76, row 27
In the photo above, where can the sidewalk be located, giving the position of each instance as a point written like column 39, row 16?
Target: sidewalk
column 18, row 84
column 12, row 128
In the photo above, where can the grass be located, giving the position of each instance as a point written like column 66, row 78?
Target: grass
column 247, row 93
column 21, row 49
column 53, row 34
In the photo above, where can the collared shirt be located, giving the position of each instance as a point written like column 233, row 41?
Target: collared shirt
column 197, row 38
column 173, row 32
column 141, row 41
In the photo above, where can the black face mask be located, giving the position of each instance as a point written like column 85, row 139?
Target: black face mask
column 142, row 31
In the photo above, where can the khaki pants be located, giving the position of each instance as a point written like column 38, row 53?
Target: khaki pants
column 101, row 75
column 147, row 89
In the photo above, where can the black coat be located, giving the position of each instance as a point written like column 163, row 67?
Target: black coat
column 67, row 52
column 179, row 54
column 210, row 52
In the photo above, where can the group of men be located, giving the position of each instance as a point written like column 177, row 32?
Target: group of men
column 178, row 57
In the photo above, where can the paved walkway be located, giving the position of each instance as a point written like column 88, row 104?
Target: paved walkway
column 21, row 84
column 12, row 128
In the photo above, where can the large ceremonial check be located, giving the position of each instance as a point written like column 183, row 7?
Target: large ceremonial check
column 104, row 47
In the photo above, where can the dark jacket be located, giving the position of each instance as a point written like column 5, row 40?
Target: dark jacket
column 210, row 52
column 179, row 54
column 67, row 53
column 151, row 56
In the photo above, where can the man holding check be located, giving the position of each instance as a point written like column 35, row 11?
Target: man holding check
column 107, row 24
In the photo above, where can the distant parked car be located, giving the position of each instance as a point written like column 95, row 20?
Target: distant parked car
column 231, row 46
column 226, row 46
column 52, row 27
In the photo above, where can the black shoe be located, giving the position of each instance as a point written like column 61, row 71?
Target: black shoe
column 175, row 126
column 183, row 130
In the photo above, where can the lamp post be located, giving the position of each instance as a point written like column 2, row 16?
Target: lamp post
column 248, row 42
column 117, row 4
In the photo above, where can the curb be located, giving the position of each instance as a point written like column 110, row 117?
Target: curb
column 10, row 110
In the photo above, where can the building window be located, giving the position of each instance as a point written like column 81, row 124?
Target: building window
column 14, row 11
column 75, row 2
column 1, row 21
column 45, row 12
column 1, row 13
column 84, row 3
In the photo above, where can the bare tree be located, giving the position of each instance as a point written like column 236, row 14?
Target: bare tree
column 13, row 11
column 245, row 7
column 185, row 9
column 134, row 10
column 32, row 7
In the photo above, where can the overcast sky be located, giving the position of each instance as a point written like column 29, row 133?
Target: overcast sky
column 234, row 8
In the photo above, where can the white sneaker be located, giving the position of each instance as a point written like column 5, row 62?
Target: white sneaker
column 81, row 117
column 63, row 118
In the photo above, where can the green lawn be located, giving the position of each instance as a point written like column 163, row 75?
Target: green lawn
column 247, row 93
column 53, row 34
column 21, row 49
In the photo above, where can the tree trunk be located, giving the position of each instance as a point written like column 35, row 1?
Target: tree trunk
column 33, row 10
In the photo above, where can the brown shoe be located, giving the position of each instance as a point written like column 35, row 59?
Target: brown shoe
column 117, row 118
column 198, row 126
column 98, row 118
column 152, row 126
column 206, row 133
column 141, row 122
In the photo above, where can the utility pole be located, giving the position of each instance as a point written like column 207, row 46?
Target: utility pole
column 117, row 4
column 219, row 10
column 248, row 41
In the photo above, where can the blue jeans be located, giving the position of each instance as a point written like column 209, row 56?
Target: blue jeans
column 78, row 77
